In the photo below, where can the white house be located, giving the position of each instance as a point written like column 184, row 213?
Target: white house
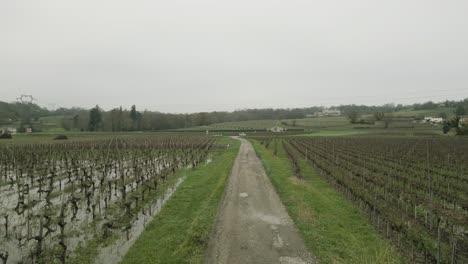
column 10, row 130
column 328, row 112
column 433, row 120
column 463, row 121
column 277, row 129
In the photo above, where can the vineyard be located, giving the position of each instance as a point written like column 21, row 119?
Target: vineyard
column 56, row 198
column 413, row 190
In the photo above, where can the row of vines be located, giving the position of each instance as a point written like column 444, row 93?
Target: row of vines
column 56, row 197
column 414, row 190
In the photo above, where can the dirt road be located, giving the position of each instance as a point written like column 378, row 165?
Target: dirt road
column 253, row 225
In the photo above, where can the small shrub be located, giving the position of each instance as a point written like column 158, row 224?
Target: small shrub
column 60, row 137
column 462, row 131
column 6, row 136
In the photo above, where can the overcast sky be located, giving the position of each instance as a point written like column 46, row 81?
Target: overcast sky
column 204, row 55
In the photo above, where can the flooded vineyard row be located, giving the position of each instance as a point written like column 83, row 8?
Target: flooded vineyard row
column 55, row 198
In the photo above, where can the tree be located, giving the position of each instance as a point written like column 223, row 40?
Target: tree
column 201, row 119
column 120, row 119
column 353, row 116
column 453, row 123
column 136, row 118
column 385, row 117
column 66, row 123
column 95, row 119
column 463, row 130
column 460, row 110
column 446, row 127
column 379, row 116
column 114, row 119
column 76, row 119
column 388, row 118
column 133, row 113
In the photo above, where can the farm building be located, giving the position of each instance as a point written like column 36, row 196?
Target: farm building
column 328, row 112
column 433, row 120
column 277, row 129
column 10, row 130
column 463, row 121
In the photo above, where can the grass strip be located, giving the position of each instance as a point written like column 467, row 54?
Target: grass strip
column 180, row 232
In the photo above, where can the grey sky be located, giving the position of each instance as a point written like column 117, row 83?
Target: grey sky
column 203, row 55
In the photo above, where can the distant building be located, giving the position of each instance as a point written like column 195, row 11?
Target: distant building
column 463, row 121
column 28, row 130
column 327, row 112
column 433, row 120
column 10, row 130
column 277, row 129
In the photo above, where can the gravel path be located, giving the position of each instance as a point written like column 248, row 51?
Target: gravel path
column 252, row 224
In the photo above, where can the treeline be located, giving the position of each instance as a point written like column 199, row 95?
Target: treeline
column 365, row 109
column 10, row 112
column 120, row 119
column 133, row 119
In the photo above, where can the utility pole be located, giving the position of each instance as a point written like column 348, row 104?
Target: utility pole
column 27, row 100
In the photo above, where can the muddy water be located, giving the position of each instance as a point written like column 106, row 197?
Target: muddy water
column 80, row 230
column 115, row 252
column 81, row 227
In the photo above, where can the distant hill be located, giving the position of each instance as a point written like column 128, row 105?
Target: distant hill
column 13, row 112
column 19, row 115
column 7, row 113
column 403, row 119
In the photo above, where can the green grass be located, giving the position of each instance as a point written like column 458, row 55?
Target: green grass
column 88, row 252
column 322, row 122
column 240, row 125
column 180, row 232
column 422, row 113
column 261, row 125
column 334, row 230
column 51, row 123
column 334, row 133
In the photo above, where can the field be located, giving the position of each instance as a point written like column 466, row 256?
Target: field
column 402, row 123
column 51, row 124
column 233, row 132
column 422, row 113
column 60, row 202
column 294, row 124
column 394, row 195
column 413, row 190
